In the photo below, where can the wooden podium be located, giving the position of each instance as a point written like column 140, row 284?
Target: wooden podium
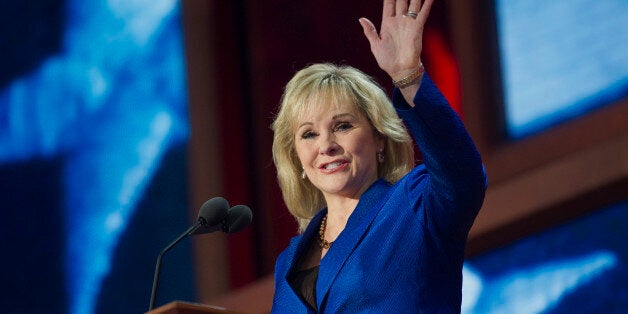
column 179, row 307
column 255, row 298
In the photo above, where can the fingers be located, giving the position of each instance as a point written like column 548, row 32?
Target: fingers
column 425, row 8
column 369, row 30
column 414, row 6
column 401, row 7
column 421, row 10
column 389, row 8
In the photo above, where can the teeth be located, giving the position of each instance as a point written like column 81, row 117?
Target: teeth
column 332, row 165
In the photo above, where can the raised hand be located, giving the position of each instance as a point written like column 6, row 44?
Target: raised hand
column 397, row 47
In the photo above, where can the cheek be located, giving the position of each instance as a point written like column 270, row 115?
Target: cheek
column 304, row 152
column 366, row 146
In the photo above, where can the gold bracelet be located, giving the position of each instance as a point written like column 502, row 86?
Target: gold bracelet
column 410, row 79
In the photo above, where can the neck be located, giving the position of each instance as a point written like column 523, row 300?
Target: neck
column 339, row 208
column 338, row 212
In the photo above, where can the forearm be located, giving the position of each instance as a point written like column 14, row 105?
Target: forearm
column 449, row 153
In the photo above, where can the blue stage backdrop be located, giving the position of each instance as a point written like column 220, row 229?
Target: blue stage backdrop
column 578, row 267
column 93, row 128
column 553, row 68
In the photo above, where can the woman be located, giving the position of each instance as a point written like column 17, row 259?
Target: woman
column 378, row 233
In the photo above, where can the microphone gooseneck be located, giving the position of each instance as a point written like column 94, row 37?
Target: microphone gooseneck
column 214, row 211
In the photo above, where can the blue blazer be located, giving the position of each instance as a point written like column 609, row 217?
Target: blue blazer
column 403, row 246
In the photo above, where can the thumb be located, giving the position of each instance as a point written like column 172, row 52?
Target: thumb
column 369, row 30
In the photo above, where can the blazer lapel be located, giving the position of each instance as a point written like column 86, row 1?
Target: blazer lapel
column 306, row 237
column 362, row 217
column 298, row 250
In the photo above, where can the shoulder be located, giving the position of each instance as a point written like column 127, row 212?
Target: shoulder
column 409, row 190
column 413, row 180
column 294, row 241
column 284, row 258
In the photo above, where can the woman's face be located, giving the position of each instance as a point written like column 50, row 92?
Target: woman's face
column 337, row 147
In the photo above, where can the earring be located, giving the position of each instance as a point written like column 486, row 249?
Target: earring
column 303, row 175
column 380, row 156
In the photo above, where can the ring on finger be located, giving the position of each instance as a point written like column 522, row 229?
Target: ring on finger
column 411, row 14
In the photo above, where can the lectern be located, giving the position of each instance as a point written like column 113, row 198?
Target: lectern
column 179, row 307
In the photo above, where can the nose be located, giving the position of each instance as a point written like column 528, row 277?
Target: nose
column 328, row 145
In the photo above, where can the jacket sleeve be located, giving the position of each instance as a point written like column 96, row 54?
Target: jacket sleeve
column 457, row 180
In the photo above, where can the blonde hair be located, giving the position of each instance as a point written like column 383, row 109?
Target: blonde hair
column 323, row 84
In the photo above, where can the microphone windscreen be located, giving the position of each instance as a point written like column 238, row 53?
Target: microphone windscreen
column 214, row 211
column 239, row 217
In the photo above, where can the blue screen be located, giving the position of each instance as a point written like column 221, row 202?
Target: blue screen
column 101, row 104
column 560, row 59
column 577, row 267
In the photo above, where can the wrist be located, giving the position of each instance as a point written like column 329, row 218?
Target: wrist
column 411, row 78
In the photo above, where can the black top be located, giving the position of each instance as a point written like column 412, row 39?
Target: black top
column 303, row 282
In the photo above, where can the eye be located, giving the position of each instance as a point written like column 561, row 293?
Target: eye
column 343, row 126
column 308, row 135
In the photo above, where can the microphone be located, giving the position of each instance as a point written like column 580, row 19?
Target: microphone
column 212, row 213
column 237, row 218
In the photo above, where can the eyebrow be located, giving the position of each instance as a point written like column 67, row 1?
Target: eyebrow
column 335, row 117
column 342, row 115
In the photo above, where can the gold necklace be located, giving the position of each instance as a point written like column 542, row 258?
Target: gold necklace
column 324, row 244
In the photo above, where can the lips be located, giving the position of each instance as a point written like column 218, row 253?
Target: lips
column 333, row 166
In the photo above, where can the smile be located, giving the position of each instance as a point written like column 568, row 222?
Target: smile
column 333, row 166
